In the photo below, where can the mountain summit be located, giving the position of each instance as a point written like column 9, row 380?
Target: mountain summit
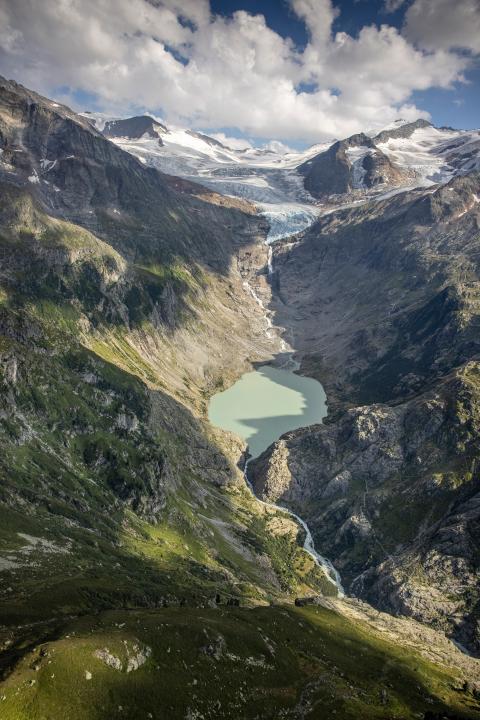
column 134, row 128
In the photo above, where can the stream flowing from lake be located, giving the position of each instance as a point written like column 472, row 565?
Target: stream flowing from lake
column 266, row 403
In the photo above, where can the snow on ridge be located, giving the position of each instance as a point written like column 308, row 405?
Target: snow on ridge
column 427, row 152
column 268, row 176
column 394, row 125
column 356, row 155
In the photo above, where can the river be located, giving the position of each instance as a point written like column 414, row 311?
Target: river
column 263, row 405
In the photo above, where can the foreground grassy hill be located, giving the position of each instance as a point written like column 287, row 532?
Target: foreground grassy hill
column 228, row 663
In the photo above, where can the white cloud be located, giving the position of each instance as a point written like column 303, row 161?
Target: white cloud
column 318, row 16
column 231, row 142
column 212, row 71
column 278, row 147
column 443, row 24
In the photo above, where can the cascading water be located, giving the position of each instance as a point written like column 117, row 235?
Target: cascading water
column 331, row 573
column 290, row 364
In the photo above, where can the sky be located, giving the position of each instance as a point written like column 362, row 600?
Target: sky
column 296, row 71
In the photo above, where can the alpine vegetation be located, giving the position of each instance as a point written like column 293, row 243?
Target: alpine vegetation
column 239, row 360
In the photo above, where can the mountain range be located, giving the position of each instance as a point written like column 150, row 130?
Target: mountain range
column 145, row 268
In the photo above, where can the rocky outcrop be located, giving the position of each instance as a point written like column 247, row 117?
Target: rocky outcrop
column 135, row 128
column 348, row 165
column 392, row 495
column 404, row 130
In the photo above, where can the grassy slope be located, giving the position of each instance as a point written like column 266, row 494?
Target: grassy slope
column 138, row 509
column 228, row 663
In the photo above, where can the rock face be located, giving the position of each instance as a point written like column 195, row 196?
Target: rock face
column 78, row 175
column 404, row 130
column 352, row 164
column 124, row 302
column 134, row 128
column 390, row 484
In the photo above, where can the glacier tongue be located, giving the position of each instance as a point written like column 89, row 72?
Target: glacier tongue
column 287, row 218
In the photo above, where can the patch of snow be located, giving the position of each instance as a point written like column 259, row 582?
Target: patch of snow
column 394, row 125
column 98, row 120
column 433, row 155
column 356, row 156
column 34, row 179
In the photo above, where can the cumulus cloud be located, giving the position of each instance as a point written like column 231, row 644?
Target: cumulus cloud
column 443, row 24
column 318, row 16
column 203, row 70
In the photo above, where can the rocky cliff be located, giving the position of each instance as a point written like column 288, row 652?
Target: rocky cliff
column 350, row 165
column 383, row 300
column 135, row 128
column 123, row 305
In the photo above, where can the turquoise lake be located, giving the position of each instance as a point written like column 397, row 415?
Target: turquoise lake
column 266, row 403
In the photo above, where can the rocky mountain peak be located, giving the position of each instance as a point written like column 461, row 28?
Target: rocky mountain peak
column 135, row 128
column 402, row 131
column 206, row 138
column 349, row 165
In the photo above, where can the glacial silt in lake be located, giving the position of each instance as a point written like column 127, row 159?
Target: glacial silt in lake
column 265, row 403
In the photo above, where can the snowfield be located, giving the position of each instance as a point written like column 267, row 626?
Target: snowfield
column 269, row 177
column 435, row 155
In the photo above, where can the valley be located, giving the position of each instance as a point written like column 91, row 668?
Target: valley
column 142, row 279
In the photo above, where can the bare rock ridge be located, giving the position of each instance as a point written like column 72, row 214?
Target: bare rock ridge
column 384, row 305
column 135, row 127
column 404, row 130
column 349, row 165
column 206, row 138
